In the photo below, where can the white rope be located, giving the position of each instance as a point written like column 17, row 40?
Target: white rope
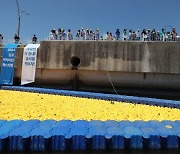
column 107, row 70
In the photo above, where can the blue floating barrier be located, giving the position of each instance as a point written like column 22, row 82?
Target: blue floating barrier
column 115, row 131
column 16, row 143
column 96, row 123
column 126, row 123
column 79, row 131
column 111, row 123
column 97, row 131
column 172, row 142
column 78, row 142
column 80, row 123
column 63, row 123
column 37, row 143
column 117, row 142
column 133, row 137
column 154, row 124
column 58, row 142
column 140, row 123
column 2, row 122
column 170, row 123
column 98, row 142
column 47, row 123
column 23, row 132
column 151, row 138
column 57, row 131
column 130, row 131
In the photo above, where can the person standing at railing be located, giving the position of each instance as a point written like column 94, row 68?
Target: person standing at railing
column 59, row 34
column 148, row 35
column 153, row 35
column 87, row 34
column 117, row 34
column 53, row 35
column 110, row 37
column 162, row 35
column 78, row 35
column 83, row 33
column 70, row 35
column 1, row 40
column 124, row 34
column 16, row 39
column 138, row 35
column 91, row 35
column 34, row 39
column 97, row 34
column 173, row 34
column 130, row 34
column 64, row 36
column 144, row 34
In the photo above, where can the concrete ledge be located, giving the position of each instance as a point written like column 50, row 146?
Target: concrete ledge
column 129, row 64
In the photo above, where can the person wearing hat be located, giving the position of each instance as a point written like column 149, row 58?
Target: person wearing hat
column 1, row 40
column 34, row 39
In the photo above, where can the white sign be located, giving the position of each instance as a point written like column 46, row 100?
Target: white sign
column 29, row 63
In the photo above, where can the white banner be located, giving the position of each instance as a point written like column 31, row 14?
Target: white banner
column 29, row 63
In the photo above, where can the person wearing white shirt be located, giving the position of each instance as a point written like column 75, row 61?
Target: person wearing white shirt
column 64, row 36
column 138, row 34
column 83, row 34
column 52, row 35
column 59, row 34
column 70, row 35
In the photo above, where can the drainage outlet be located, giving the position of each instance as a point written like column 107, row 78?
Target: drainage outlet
column 75, row 61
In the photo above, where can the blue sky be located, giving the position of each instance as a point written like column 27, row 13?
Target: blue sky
column 107, row 15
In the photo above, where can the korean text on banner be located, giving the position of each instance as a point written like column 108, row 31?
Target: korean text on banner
column 29, row 63
column 7, row 67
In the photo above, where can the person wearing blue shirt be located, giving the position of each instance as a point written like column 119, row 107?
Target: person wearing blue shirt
column 117, row 34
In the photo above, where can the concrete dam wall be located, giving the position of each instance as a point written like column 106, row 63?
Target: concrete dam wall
column 103, row 63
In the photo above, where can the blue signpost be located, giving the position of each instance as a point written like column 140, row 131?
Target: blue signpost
column 7, row 66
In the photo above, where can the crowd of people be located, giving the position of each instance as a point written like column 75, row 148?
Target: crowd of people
column 17, row 39
column 89, row 34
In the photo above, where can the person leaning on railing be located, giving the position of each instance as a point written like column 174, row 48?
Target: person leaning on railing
column 173, row 34
column 34, row 39
column 1, row 40
column 16, row 39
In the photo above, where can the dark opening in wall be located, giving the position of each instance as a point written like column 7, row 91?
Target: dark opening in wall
column 75, row 61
